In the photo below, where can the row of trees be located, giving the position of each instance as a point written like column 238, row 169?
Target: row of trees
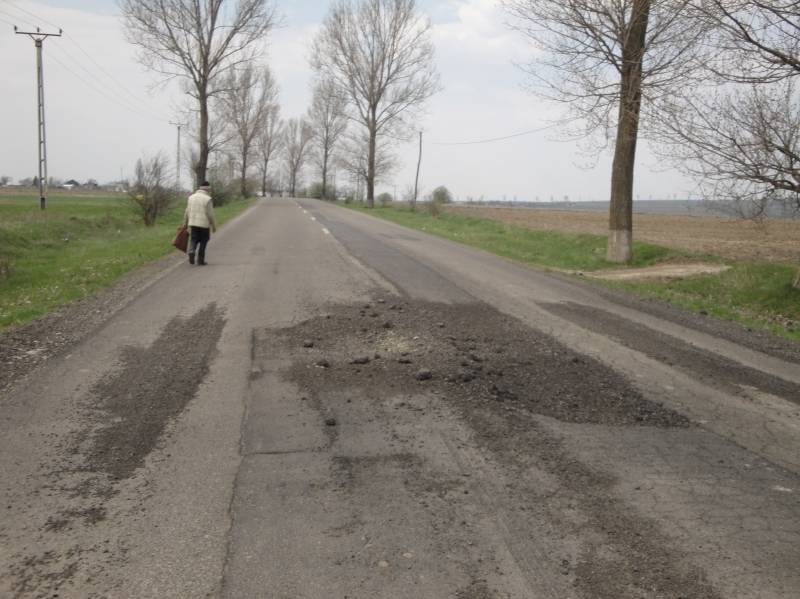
column 374, row 66
column 711, row 82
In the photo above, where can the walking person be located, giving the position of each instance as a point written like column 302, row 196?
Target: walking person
column 199, row 217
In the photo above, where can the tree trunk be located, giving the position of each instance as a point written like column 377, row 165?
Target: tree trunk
column 371, row 164
column 620, row 237
column 325, row 173
column 243, row 187
column 264, row 178
column 201, row 168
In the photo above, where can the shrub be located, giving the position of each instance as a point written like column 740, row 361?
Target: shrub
column 384, row 199
column 149, row 193
column 442, row 195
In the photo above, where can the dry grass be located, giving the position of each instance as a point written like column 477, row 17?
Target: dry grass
column 774, row 240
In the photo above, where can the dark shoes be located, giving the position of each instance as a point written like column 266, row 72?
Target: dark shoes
column 202, row 263
column 191, row 258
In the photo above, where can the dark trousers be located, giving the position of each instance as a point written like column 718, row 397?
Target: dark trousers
column 198, row 241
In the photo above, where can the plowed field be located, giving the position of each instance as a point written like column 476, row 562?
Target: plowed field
column 774, row 240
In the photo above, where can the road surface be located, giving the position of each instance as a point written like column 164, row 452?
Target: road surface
column 337, row 407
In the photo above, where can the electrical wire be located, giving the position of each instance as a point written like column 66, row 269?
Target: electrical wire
column 101, row 92
column 494, row 139
column 13, row 16
column 29, row 13
column 128, row 99
column 104, row 71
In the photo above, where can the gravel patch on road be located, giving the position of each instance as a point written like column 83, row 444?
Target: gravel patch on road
column 473, row 351
column 758, row 340
column 714, row 369
column 152, row 386
column 506, row 382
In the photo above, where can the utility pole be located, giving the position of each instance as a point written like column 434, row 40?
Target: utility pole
column 38, row 39
column 419, row 163
column 178, row 158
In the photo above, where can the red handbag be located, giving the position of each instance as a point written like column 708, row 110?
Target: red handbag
column 181, row 240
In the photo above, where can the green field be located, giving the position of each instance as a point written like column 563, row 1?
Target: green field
column 74, row 248
column 552, row 249
column 757, row 294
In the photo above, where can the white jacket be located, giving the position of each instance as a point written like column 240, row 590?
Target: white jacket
column 200, row 211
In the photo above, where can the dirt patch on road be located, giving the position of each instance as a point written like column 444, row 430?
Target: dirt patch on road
column 506, row 382
column 473, row 350
column 713, row 369
column 773, row 240
column 152, row 386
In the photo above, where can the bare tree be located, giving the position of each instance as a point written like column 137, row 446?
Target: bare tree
column 297, row 140
column 603, row 58
column 739, row 135
column 380, row 55
column 248, row 96
column 270, row 141
column 197, row 40
column 150, row 192
column 327, row 118
column 756, row 41
column 5, row 180
column 354, row 158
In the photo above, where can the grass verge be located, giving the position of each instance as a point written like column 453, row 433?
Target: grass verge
column 76, row 247
column 756, row 294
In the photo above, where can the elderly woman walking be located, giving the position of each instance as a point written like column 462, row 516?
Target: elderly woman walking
column 199, row 217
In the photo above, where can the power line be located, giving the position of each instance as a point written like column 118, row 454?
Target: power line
column 494, row 139
column 104, row 71
column 102, row 93
column 125, row 98
column 12, row 16
column 29, row 13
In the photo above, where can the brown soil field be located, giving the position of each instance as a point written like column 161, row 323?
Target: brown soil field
column 772, row 240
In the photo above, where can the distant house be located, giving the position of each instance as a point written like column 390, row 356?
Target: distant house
column 71, row 184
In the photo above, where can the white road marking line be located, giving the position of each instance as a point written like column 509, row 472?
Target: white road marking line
column 324, row 230
column 314, row 218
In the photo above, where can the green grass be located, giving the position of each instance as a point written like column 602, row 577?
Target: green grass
column 756, row 294
column 76, row 247
column 551, row 249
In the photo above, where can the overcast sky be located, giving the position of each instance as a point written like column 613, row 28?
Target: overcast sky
column 103, row 113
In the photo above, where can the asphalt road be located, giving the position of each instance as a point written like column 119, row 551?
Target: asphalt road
column 340, row 407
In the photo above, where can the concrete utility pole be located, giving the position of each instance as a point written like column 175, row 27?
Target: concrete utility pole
column 38, row 39
column 178, row 158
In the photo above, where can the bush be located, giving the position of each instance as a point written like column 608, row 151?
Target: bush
column 384, row 199
column 223, row 192
column 149, row 193
column 434, row 208
column 315, row 191
column 442, row 195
